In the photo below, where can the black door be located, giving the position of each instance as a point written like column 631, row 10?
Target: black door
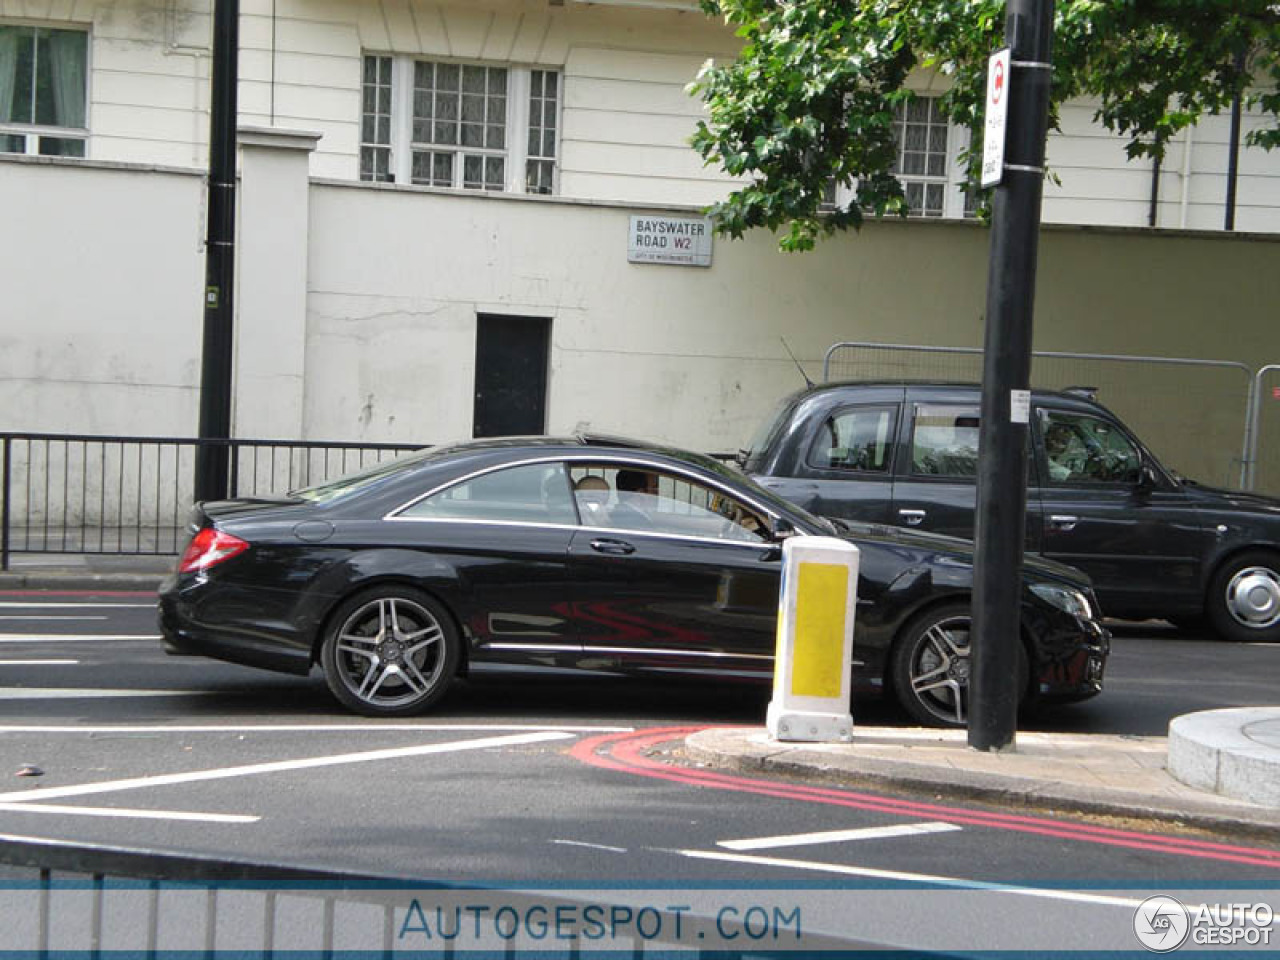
column 511, row 375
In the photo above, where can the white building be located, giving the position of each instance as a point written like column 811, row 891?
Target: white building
column 435, row 208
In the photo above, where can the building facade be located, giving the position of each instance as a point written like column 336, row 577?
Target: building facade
column 437, row 204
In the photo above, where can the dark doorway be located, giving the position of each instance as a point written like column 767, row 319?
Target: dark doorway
column 511, row 375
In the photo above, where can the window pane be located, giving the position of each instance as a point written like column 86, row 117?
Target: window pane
column 538, row 175
column 913, row 164
column 22, row 45
column 937, row 165
column 494, row 172
column 933, row 193
column 442, row 169
column 497, row 81
column 472, row 108
column 642, row 499
column 473, row 135
column 854, row 440
column 12, row 143
column 1085, row 449
column 375, row 163
column 61, row 147
column 496, row 137
column 473, row 79
column 445, row 133
column 424, row 75
column 944, row 442
column 551, row 79
column 448, row 77
column 473, row 172
column 538, row 493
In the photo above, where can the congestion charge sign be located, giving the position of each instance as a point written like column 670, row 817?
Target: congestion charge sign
column 683, row 241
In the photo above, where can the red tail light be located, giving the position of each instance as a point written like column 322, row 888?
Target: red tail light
column 208, row 548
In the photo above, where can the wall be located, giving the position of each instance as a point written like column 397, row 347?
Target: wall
column 102, row 302
column 694, row 356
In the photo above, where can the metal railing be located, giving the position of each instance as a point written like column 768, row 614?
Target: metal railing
column 67, row 899
column 63, row 493
column 1202, row 421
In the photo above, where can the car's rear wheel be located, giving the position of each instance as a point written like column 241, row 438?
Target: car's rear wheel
column 1244, row 598
column 389, row 652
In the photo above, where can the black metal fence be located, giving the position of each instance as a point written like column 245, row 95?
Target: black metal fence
column 66, row 493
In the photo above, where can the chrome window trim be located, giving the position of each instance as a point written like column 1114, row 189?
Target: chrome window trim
column 614, row 531
column 395, row 513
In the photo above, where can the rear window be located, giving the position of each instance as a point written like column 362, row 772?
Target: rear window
column 855, row 438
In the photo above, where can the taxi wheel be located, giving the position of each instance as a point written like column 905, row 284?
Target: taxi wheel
column 1243, row 602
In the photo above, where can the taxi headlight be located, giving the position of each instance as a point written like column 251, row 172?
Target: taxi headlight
column 1074, row 602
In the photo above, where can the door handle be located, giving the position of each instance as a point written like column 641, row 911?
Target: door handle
column 912, row 518
column 613, row 547
column 1063, row 522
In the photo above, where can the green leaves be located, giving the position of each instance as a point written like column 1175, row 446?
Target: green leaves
column 809, row 102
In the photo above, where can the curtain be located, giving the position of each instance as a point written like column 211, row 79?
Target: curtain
column 67, row 57
column 8, row 71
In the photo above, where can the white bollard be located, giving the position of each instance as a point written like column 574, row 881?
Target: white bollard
column 815, row 641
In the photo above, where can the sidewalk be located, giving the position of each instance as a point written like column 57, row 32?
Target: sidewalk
column 1229, row 754
column 1227, row 761
column 85, row 571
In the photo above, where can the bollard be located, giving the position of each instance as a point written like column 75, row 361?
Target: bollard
column 811, row 668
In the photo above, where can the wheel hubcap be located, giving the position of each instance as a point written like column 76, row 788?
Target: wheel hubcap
column 940, row 669
column 390, row 652
column 1253, row 597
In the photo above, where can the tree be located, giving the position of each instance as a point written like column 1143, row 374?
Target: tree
column 810, row 99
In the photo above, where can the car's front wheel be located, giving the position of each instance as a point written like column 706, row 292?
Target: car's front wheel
column 930, row 666
column 1244, row 598
column 390, row 652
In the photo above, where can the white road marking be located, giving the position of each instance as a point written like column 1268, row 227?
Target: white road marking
column 280, row 766
column 373, row 726
column 591, row 846
column 72, row 637
column 126, row 813
column 90, row 693
column 924, row 878
column 16, row 605
column 35, row 663
column 44, row 617
column 838, row 836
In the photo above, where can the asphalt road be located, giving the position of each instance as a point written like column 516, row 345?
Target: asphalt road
column 520, row 780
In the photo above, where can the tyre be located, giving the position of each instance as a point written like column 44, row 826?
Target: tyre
column 1243, row 602
column 930, row 664
column 390, row 652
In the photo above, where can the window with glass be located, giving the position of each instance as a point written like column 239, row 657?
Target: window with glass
column 652, row 501
column 533, row 493
column 1079, row 448
column 469, row 126
column 944, row 441
column 43, row 91
column 859, row 438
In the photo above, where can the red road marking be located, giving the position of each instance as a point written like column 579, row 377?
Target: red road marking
column 622, row 752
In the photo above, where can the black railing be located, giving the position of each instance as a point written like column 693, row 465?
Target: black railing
column 65, row 493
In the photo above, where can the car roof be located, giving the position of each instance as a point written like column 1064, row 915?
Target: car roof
column 1072, row 394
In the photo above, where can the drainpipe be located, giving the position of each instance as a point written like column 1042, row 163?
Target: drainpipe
column 1233, row 155
column 1153, row 210
column 1186, row 179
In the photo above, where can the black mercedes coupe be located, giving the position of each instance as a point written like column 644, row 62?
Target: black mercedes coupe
column 582, row 552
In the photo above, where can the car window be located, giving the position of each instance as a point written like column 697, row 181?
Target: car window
column 944, row 441
column 856, row 438
column 1080, row 448
column 654, row 501
column 531, row 493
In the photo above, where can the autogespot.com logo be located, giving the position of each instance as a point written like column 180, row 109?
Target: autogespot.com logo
column 1161, row 923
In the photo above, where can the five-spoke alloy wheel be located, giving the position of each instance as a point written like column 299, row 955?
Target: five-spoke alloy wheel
column 390, row 651
column 930, row 666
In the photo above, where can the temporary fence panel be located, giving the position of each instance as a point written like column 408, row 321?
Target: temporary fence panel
column 1192, row 414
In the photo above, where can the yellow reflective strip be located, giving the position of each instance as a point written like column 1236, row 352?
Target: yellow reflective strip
column 821, row 593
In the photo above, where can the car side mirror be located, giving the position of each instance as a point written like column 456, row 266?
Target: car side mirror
column 782, row 530
column 1148, row 479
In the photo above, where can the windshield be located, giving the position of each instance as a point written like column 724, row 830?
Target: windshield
column 362, row 479
column 766, row 432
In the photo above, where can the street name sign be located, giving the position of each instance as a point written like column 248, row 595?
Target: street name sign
column 683, row 241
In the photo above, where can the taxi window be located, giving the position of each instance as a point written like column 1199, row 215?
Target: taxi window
column 855, row 438
column 1080, row 448
column 944, row 441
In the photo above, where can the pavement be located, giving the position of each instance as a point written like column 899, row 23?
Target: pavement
column 1217, row 770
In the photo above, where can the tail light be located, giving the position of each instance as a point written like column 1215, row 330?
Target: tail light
column 208, row 548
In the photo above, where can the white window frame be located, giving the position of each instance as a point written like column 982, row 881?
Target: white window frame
column 517, row 120
column 953, row 199
column 35, row 132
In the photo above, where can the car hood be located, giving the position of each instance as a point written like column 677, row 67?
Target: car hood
column 1210, row 497
column 1034, row 566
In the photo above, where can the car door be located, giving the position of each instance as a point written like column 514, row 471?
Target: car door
column 673, row 574
column 1102, row 509
column 935, row 483
column 500, row 539
column 842, row 465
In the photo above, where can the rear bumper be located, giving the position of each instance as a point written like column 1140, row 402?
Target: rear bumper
column 190, row 626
